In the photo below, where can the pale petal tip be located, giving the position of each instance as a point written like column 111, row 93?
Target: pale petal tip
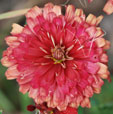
column 16, row 29
column 107, row 45
column 5, row 62
column 99, row 19
column 100, row 42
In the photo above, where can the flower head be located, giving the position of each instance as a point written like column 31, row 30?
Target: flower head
column 58, row 59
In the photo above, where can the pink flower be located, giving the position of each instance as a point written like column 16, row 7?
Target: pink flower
column 58, row 59
column 108, row 8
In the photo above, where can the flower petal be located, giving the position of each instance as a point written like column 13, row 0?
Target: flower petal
column 12, row 72
column 17, row 29
column 70, row 10
column 34, row 12
column 6, row 62
column 108, row 8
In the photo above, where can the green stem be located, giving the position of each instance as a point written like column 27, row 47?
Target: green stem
column 12, row 14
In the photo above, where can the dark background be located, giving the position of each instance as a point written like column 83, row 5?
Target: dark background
column 11, row 100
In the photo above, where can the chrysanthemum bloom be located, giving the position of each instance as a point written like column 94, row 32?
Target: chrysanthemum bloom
column 108, row 8
column 58, row 59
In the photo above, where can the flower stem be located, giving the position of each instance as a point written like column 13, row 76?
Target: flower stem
column 12, row 14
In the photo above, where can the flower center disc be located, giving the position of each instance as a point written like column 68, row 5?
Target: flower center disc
column 58, row 54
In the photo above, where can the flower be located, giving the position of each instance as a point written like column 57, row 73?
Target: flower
column 58, row 59
column 108, row 8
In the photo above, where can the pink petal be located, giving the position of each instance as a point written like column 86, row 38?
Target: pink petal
column 34, row 12
column 6, row 62
column 92, row 67
column 70, row 10
column 11, row 39
column 108, row 8
column 12, row 72
column 24, row 88
column 33, row 93
column 57, row 10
